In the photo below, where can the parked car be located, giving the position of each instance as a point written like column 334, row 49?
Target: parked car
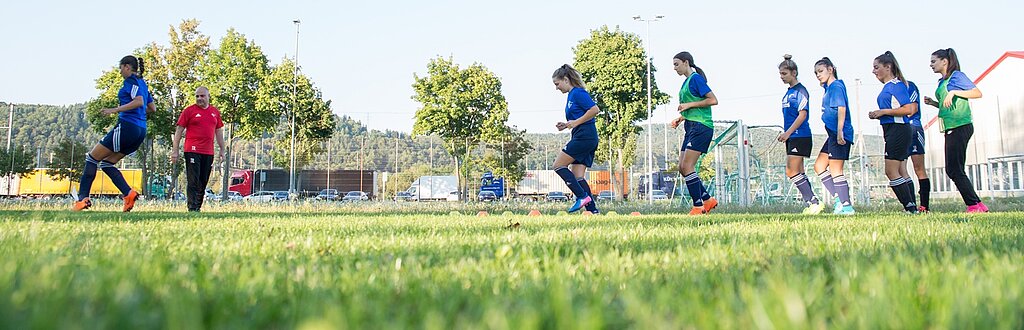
column 210, row 195
column 605, row 195
column 234, row 196
column 355, row 196
column 658, row 195
column 454, row 196
column 487, row 196
column 556, row 196
column 281, row 195
column 260, row 196
column 327, row 195
column 402, row 196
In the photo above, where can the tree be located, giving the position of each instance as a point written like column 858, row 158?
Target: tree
column 18, row 160
column 505, row 155
column 66, row 162
column 459, row 105
column 233, row 73
column 614, row 68
column 313, row 118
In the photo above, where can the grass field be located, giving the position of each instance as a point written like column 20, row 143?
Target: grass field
column 311, row 266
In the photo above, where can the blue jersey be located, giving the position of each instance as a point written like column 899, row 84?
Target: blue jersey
column 835, row 97
column 134, row 87
column 894, row 95
column 796, row 100
column 958, row 81
column 576, row 105
column 699, row 85
column 915, row 97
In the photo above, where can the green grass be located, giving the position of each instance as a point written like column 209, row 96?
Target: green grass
column 298, row 266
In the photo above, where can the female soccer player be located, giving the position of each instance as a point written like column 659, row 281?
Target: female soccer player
column 124, row 139
column 955, row 117
column 695, row 101
column 580, row 110
column 894, row 108
column 836, row 150
column 917, row 151
column 798, row 133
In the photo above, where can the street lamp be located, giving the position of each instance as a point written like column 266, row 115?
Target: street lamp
column 295, row 104
column 650, row 156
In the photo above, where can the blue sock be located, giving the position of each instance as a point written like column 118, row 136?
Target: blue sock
column 116, row 177
column 804, row 186
column 85, row 184
column 592, row 207
column 842, row 189
column 827, row 181
column 696, row 188
column 570, row 181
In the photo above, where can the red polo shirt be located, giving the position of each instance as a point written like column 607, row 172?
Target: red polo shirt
column 200, row 125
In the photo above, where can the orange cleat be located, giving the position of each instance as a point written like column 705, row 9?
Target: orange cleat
column 698, row 210
column 82, row 204
column 710, row 204
column 129, row 200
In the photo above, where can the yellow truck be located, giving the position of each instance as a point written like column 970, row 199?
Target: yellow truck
column 38, row 184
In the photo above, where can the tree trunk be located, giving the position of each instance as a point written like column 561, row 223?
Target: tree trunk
column 226, row 166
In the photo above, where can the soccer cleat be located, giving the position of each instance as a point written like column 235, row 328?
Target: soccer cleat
column 710, row 204
column 129, row 200
column 82, row 204
column 814, row 209
column 698, row 210
column 580, row 203
column 977, row 208
column 922, row 209
column 845, row 210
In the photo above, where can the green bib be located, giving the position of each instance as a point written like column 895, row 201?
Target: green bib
column 701, row 115
column 955, row 116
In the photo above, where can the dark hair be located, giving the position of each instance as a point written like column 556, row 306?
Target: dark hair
column 135, row 63
column 686, row 56
column 828, row 64
column 950, row 55
column 567, row 72
column 788, row 64
column 889, row 59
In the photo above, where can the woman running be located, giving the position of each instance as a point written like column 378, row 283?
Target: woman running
column 797, row 136
column 917, row 151
column 695, row 101
column 956, row 121
column 578, row 155
column 894, row 109
column 835, row 152
column 124, row 139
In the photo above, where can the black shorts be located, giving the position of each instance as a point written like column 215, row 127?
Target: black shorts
column 897, row 141
column 697, row 137
column 582, row 151
column 917, row 140
column 834, row 149
column 799, row 146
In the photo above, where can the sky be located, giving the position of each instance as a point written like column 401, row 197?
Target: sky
column 363, row 55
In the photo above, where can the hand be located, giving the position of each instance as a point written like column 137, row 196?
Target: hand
column 684, row 107
column 174, row 156
column 930, row 101
column 220, row 155
column 675, row 122
column 784, row 136
column 948, row 101
column 561, row 126
column 108, row 111
column 840, row 139
column 874, row 114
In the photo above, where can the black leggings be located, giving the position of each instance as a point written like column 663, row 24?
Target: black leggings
column 956, row 159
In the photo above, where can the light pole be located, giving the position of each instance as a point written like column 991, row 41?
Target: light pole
column 295, row 104
column 649, row 58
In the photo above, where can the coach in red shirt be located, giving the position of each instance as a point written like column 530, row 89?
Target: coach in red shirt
column 201, row 124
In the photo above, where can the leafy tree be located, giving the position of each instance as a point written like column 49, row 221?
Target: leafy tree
column 505, row 155
column 18, row 160
column 313, row 119
column 614, row 68
column 459, row 105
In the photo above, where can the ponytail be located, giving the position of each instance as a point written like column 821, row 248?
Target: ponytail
column 568, row 72
column 950, row 55
column 894, row 67
column 686, row 56
column 142, row 67
column 828, row 64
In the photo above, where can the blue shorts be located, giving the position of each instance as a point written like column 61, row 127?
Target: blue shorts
column 582, row 151
column 917, row 140
column 697, row 137
column 833, row 149
column 125, row 138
